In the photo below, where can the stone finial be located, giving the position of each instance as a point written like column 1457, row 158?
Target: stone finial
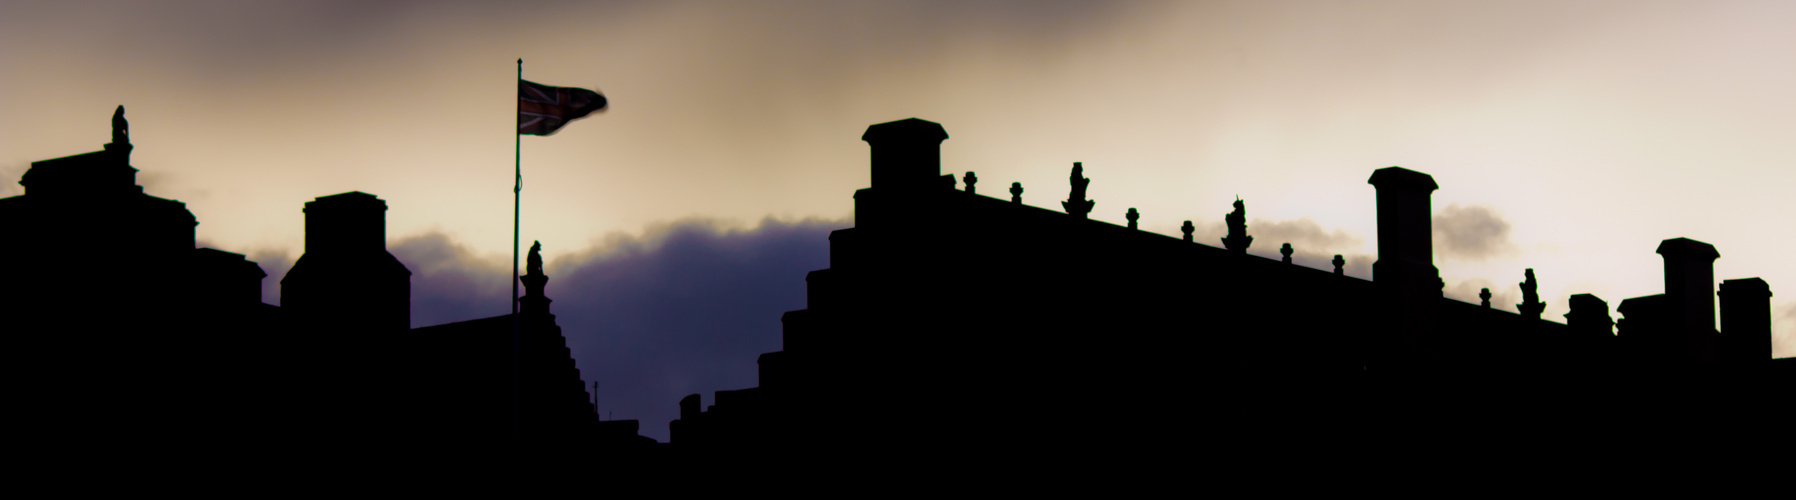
column 970, row 179
column 1531, row 305
column 1076, row 205
column 1237, row 240
column 1340, row 265
column 1016, row 192
column 120, row 128
column 1132, row 216
column 1484, row 295
column 1188, row 229
column 1286, row 251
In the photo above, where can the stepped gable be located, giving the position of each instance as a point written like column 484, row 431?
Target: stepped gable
column 470, row 363
column 949, row 320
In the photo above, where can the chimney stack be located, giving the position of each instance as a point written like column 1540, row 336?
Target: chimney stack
column 1405, row 232
column 1690, row 292
column 1745, row 320
column 346, row 280
column 348, row 222
column 907, row 154
column 1690, row 280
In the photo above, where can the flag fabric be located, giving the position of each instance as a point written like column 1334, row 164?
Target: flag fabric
column 543, row 109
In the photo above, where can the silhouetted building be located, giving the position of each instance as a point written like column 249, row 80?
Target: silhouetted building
column 960, row 327
column 121, row 331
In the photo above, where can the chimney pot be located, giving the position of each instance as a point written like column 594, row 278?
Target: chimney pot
column 907, row 154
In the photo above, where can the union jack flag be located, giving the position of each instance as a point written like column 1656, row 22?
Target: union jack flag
column 543, row 109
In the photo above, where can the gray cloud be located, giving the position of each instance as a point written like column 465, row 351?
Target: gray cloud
column 686, row 309
column 1472, row 233
column 450, row 283
column 275, row 263
column 1301, row 233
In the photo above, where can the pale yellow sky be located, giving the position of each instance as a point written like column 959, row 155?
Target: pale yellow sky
column 1592, row 129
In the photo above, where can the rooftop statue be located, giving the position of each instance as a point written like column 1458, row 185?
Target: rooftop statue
column 1237, row 240
column 119, row 126
column 1531, row 304
column 1076, row 204
column 534, row 263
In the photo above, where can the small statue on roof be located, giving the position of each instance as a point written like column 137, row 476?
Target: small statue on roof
column 534, row 263
column 1076, row 204
column 120, row 134
column 1531, row 304
column 1237, row 240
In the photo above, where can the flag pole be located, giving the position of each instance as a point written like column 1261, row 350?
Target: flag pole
column 517, row 192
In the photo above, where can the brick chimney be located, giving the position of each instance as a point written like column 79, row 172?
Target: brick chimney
column 1405, row 232
column 353, row 221
column 346, row 280
column 1690, row 294
column 1745, row 320
column 907, row 154
column 1409, row 286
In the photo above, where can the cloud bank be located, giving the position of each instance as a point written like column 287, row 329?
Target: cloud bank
column 1473, row 233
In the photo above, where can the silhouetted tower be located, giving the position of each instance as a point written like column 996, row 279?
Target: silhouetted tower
column 346, row 280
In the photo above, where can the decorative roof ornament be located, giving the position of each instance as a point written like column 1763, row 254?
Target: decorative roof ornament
column 1531, row 305
column 1237, row 240
column 534, row 263
column 1286, row 251
column 1016, row 192
column 1340, row 265
column 120, row 128
column 970, row 179
column 1484, row 295
column 1076, row 205
column 1132, row 216
column 1188, row 229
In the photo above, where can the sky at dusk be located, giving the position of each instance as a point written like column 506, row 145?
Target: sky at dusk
column 1567, row 136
